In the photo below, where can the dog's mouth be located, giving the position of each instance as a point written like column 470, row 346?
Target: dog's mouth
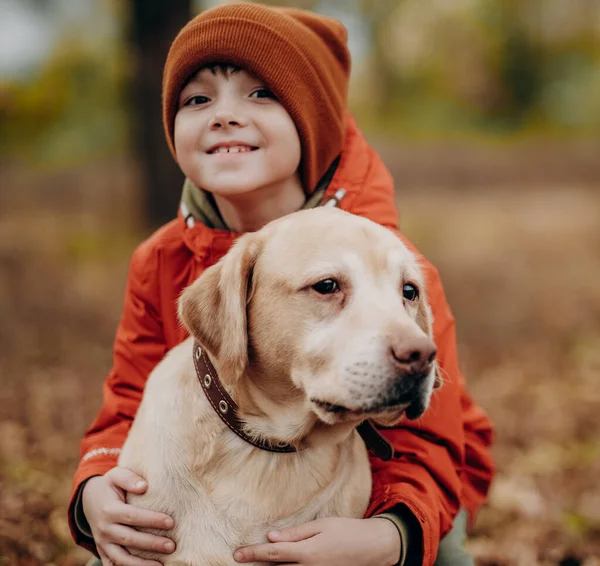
column 343, row 412
column 411, row 400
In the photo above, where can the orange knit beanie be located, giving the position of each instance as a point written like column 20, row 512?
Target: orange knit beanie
column 301, row 56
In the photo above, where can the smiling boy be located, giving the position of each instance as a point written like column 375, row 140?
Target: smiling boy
column 254, row 108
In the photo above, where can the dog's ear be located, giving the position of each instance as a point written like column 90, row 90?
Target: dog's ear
column 213, row 308
column 425, row 322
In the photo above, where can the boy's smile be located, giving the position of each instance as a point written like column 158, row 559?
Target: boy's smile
column 233, row 138
column 234, row 147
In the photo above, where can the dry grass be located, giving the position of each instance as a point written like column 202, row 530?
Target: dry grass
column 520, row 265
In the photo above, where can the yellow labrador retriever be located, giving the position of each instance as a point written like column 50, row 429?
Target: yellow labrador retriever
column 310, row 325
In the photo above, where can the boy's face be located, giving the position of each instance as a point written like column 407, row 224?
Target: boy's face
column 232, row 136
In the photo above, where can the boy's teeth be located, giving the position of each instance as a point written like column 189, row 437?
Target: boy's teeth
column 233, row 149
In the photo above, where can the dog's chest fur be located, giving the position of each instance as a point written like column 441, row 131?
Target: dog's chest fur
column 222, row 492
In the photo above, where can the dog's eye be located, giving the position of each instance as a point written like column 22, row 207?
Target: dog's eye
column 326, row 287
column 410, row 292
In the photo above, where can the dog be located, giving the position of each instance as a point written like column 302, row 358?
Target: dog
column 312, row 325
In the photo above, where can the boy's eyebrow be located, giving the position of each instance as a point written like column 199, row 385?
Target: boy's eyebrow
column 225, row 70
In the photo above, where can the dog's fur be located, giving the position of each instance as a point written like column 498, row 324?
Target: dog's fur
column 305, row 368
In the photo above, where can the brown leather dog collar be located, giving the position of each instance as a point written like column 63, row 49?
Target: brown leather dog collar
column 224, row 405
column 227, row 409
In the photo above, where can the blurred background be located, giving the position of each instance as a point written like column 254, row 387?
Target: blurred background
column 487, row 112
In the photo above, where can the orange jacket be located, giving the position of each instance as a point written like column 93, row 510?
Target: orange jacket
column 445, row 462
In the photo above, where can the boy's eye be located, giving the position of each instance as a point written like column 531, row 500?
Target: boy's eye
column 262, row 93
column 196, row 100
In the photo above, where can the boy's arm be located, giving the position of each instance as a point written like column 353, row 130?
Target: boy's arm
column 444, row 460
column 139, row 346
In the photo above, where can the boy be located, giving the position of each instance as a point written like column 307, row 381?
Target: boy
column 254, row 109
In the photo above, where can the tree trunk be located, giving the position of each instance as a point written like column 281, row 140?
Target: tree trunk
column 154, row 25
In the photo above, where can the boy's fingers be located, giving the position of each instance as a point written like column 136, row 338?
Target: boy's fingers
column 120, row 556
column 127, row 480
column 129, row 515
column 105, row 559
column 297, row 533
column 131, row 538
column 273, row 552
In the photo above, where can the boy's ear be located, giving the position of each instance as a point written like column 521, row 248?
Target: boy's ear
column 213, row 308
column 425, row 321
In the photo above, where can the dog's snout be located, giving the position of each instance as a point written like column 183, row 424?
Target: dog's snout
column 414, row 354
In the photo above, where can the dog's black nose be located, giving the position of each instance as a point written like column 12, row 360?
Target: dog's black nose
column 413, row 355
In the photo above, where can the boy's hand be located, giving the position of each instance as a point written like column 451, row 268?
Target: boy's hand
column 329, row 542
column 103, row 500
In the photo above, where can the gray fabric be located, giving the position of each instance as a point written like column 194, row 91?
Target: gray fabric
column 451, row 551
column 201, row 205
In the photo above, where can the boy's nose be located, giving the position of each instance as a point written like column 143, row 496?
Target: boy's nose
column 224, row 119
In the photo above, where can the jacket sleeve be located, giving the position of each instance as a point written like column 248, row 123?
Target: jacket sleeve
column 444, row 456
column 139, row 346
